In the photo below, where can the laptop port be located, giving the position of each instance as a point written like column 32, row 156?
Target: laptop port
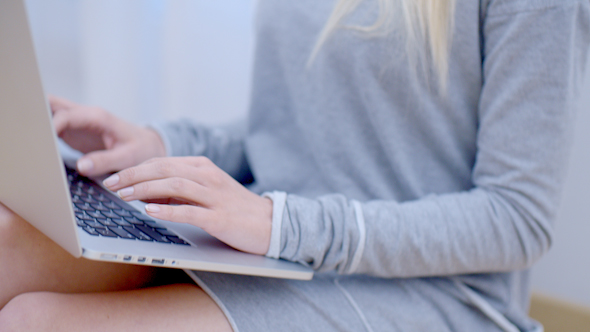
column 141, row 260
column 158, row 261
column 108, row 256
column 127, row 258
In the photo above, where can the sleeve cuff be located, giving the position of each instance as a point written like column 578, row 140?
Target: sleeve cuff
column 279, row 199
column 360, row 221
column 159, row 129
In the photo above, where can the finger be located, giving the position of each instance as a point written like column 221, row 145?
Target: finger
column 161, row 169
column 187, row 214
column 203, row 170
column 178, row 188
column 197, row 161
column 90, row 118
column 58, row 103
column 105, row 161
column 166, row 201
column 60, row 122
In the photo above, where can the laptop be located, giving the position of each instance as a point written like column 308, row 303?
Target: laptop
column 76, row 212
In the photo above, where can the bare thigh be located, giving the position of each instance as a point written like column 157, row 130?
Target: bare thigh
column 31, row 262
column 179, row 307
column 42, row 287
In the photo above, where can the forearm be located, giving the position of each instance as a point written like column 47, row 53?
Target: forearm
column 470, row 232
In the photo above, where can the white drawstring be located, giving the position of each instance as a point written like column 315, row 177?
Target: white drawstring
column 486, row 308
column 354, row 306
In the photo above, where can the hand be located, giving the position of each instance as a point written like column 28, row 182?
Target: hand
column 110, row 144
column 203, row 195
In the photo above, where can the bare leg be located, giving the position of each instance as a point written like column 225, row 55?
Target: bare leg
column 31, row 262
column 46, row 288
column 180, row 307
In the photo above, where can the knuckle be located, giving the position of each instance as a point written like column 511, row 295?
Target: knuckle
column 163, row 167
column 142, row 189
column 177, row 185
column 128, row 175
column 152, row 161
column 178, row 213
column 213, row 176
column 203, row 161
column 99, row 112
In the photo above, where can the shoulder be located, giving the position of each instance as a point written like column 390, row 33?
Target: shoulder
column 511, row 7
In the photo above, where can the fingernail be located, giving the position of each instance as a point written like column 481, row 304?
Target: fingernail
column 84, row 165
column 125, row 192
column 111, row 180
column 152, row 208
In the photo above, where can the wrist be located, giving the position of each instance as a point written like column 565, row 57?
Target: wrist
column 267, row 223
column 156, row 142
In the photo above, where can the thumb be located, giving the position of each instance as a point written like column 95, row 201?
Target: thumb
column 105, row 161
column 58, row 103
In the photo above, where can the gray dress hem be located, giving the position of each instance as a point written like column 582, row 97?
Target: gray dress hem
column 214, row 297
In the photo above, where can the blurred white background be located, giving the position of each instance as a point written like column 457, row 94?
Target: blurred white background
column 148, row 60
column 164, row 59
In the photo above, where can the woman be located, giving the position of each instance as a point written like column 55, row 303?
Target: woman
column 412, row 154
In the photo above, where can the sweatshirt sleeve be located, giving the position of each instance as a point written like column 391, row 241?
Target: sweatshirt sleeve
column 533, row 63
column 224, row 145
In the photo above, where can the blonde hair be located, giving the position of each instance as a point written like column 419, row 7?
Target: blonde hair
column 428, row 28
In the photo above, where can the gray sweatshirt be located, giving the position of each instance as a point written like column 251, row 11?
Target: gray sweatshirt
column 375, row 171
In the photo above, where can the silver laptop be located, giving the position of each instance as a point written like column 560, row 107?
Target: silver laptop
column 77, row 213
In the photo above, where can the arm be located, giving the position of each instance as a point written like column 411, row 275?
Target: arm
column 505, row 221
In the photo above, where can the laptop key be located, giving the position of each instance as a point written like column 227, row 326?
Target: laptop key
column 177, row 240
column 109, row 214
column 121, row 222
column 134, row 220
column 153, row 234
column 100, row 207
column 106, row 232
column 122, row 233
column 102, row 198
column 80, row 222
column 94, row 224
column 111, row 205
column 122, row 213
column 90, row 230
column 85, row 217
column 94, row 214
column 166, row 232
column 88, row 199
column 107, row 222
column 85, row 206
column 139, row 234
column 76, row 191
column 154, row 224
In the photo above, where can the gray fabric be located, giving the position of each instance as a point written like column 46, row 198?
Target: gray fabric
column 464, row 184
column 261, row 304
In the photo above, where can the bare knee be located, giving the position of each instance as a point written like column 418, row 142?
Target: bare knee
column 30, row 312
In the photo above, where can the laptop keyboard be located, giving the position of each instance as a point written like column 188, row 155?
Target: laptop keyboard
column 98, row 215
